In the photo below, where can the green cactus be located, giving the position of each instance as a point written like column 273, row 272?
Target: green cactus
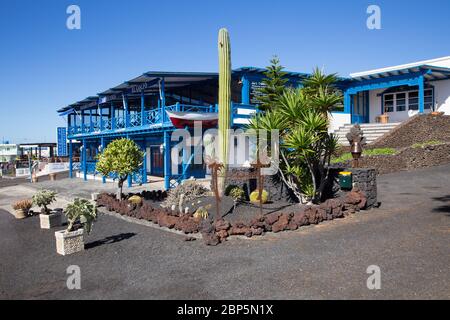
column 224, row 102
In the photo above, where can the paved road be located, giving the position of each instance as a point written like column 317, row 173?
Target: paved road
column 408, row 238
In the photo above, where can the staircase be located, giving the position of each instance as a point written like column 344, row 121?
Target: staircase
column 372, row 131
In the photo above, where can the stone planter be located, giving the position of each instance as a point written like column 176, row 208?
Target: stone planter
column 52, row 220
column 69, row 242
column 52, row 176
column 384, row 118
column 21, row 213
column 34, row 179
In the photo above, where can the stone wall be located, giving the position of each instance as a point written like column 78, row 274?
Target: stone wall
column 365, row 179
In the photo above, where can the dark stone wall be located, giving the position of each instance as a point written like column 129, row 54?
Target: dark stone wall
column 363, row 178
column 246, row 179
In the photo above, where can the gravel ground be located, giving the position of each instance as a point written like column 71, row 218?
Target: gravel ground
column 408, row 238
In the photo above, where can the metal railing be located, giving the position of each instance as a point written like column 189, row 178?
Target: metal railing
column 157, row 116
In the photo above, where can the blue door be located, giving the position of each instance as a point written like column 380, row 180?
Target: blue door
column 360, row 107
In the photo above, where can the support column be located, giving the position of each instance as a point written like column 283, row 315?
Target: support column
column 245, row 91
column 70, row 159
column 126, row 111
column 163, row 101
column 421, row 94
column 142, row 108
column 82, row 121
column 113, row 116
column 102, row 141
column 100, row 110
column 91, row 126
column 144, row 163
column 347, row 107
column 167, row 168
column 83, row 154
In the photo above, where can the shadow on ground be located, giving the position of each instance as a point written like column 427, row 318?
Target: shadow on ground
column 109, row 240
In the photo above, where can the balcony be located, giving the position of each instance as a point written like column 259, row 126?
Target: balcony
column 153, row 120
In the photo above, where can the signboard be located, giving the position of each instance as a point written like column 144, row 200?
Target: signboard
column 255, row 94
column 62, row 142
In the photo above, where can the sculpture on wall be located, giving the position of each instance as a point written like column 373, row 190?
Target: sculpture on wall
column 357, row 141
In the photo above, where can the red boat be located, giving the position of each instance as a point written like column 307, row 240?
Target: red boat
column 182, row 120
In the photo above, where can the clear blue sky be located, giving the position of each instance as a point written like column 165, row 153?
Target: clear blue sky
column 44, row 66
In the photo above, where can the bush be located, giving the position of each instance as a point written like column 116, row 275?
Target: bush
column 25, row 205
column 238, row 194
column 369, row 152
column 191, row 190
column 254, row 196
column 83, row 212
column 43, row 198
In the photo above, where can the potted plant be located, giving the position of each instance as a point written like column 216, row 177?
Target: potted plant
column 48, row 218
column 80, row 217
column 22, row 208
column 384, row 118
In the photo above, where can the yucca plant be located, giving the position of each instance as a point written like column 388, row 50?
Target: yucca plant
column 301, row 116
column 81, row 211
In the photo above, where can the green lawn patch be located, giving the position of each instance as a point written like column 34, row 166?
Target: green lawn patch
column 370, row 152
column 428, row 143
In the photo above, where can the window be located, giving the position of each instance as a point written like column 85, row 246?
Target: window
column 413, row 100
column 407, row 100
column 401, row 101
column 389, row 103
column 428, row 99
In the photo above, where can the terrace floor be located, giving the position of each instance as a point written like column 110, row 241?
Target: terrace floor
column 408, row 238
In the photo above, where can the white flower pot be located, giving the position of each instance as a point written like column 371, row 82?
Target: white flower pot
column 52, row 220
column 69, row 242
column 21, row 213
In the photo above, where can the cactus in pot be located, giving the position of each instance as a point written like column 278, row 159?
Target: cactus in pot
column 224, row 103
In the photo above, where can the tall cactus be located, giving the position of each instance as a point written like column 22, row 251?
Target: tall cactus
column 224, row 103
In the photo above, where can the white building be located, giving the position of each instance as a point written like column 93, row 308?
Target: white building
column 399, row 92
column 8, row 152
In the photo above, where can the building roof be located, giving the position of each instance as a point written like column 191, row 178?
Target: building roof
column 430, row 72
column 438, row 62
column 149, row 82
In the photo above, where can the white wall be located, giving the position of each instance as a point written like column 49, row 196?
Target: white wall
column 337, row 120
column 442, row 95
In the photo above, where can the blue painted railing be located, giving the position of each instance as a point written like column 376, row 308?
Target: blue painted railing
column 157, row 117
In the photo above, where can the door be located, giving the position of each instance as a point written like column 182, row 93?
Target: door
column 360, row 107
column 156, row 161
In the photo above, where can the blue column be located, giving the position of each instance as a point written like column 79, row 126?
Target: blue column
column 91, row 125
column 421, row 94
column 347, row 108
column 163, row 101
column 144, row 163
column 82, row 121
column 100, row 110
column 102, row 141
column 142, row 108
column 113, row 116
column 129, row 178
column 245, row 91
column 167, row 168
column 70, row 159
column 125, row 110
column 83, row 155
column 75, row 130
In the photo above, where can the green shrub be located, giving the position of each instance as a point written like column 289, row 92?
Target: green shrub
column 43, row 198
column 424, row 144
column 369, row 152
column 237, row 194
column 82, row 211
